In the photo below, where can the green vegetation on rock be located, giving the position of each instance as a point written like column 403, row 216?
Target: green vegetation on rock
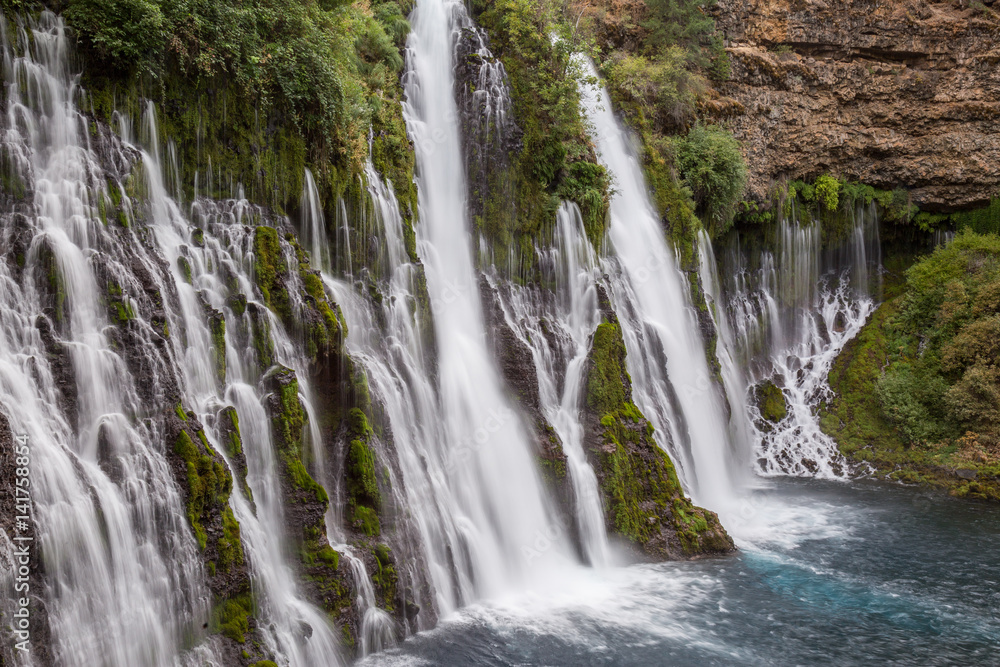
column 771, row 402
column 642, row 495
column 709, row 158
column 363, row 496
column 270, row 270
column 556, row 162
column 208, row 483
column 231, row 618
column 917, row 393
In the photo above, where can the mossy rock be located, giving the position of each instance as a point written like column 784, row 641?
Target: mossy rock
column 771, row 402
column 645, row 504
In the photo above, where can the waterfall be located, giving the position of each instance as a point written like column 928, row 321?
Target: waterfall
column 671, row 380
column 293, row 627
column 784, row 315
column 493, row 489
column 110, row 524
column 124, row 583
column 558, row 333
column 313, row 232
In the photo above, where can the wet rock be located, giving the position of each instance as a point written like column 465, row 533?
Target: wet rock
column 61, row 367
column 645, row 507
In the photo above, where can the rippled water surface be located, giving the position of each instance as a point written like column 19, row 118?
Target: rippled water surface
column 828, row 573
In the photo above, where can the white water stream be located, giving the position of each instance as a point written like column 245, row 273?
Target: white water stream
column 671, row 380
column 558, row 333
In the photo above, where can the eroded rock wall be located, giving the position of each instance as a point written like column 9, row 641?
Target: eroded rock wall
column 893, row 94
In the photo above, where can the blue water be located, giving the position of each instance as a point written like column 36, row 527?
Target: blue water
column 828, row 573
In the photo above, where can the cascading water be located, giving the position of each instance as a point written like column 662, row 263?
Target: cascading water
column 785, row 316
column 314, row 235
column 223, row 251
column 559, row 335
column 671, row 380
column 494, row 491
column 112, row 527
column 110, row 523
column 389, row 347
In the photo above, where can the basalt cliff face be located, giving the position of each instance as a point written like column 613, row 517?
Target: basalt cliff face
column 893, row 94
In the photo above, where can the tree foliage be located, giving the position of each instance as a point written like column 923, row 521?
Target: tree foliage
column 711, row 163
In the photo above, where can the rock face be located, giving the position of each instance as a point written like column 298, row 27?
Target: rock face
column 646, row 509
column 892, row 94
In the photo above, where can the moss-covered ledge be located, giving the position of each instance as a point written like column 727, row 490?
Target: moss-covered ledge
column 644, row 503
column 327, row 581
column 206, row 484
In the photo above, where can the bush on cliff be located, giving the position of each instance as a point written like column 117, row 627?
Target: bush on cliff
column 297, row 80
column 931, row 359
column 710, row 161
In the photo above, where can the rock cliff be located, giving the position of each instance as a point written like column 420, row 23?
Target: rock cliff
column 893, row 94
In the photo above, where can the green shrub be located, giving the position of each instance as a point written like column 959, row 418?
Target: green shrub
column 123, row 32
column 942, row 376
column 679, row 22
column 659, row 89
column 710, row 161
column 828, row 191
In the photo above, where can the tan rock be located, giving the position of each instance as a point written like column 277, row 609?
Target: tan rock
column 894, row 94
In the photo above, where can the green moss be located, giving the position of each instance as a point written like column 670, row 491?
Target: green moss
column 54, row 281
column 264, row 663
column 301, row 478
column 313, row 553
column 231, row 618
column 179, row 409
column 208, row 483
column 123, row 312
column 238, row 304
column 234, row 440
column 362, row 485
column 771, row 402
column 260, row 334
column 605, row 391
column 328, row 334
column 385, row 578
column 229, row 546
column 363, row 496
column 217, row 327
column 185, row 268
column 366, row 520
column 639, row 489
column 270, row 270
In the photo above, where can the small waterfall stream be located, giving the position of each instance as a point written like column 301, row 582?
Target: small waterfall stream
column 559, row 337
column 783, row 316
column 671, row 380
